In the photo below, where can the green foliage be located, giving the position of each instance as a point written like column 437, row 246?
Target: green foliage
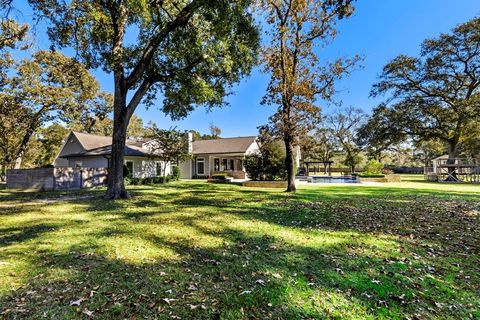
column 48, row 87
column 373, row 167
column 12, row 34
column 168, row 145
column 175, row 175
column 217, row 41
column 253, row 164
column 371, row 175
column 434, row 96
column 268, row 164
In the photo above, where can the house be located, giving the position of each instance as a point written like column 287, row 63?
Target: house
column 218, row 155
column 83, row 150
column 208, row 157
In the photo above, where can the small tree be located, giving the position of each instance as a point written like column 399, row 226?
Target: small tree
column 168, row 146
column 296, row 29
column 47, row 87
column 373, row 167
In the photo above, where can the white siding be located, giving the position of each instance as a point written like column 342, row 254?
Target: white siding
column 145, row 168
column 89, row 162
column 186, row 169
column 71, row 146
column 253, row 148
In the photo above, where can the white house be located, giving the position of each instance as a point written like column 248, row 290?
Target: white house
column 93, row 151
column 208, row 156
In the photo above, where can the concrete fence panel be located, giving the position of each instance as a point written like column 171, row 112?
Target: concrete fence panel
column 56, row 178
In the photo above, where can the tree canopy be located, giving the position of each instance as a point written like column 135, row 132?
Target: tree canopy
column 434, row 96
column 190, row 51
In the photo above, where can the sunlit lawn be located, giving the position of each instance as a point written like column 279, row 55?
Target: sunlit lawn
column 193, row 250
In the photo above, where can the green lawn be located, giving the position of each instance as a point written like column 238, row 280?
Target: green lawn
column 193, row 250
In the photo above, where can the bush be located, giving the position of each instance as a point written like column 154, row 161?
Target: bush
column 175, row 175
column 373, row 167
column 268, row 164
column 253, row 166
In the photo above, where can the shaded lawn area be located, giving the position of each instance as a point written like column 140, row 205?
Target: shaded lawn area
column 193, row 250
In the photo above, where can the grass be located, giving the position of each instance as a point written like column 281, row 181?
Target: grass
column 193, row 250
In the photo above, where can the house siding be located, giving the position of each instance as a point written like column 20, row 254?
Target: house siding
column 89, row 162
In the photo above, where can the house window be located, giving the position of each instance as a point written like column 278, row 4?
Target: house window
column 224, row 164
column 78, row 164
column 239, row 165
column 232, row 164
column 216, row 164
column 158, row 167
column 200, row 166
column 129, row 165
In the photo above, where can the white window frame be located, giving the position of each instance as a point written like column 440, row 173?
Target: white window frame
column 202, row 160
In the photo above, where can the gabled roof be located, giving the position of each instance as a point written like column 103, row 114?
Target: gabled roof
column 95, row 145
column 223, row 145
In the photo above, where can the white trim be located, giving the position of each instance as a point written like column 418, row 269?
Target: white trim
column 196, row 166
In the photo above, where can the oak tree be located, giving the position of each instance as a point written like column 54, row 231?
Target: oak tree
column 436, row 95
column 191, row 51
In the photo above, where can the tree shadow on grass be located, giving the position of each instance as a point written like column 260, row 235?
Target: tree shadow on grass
column 328, row 258
column 13, row 235
column 250, row 276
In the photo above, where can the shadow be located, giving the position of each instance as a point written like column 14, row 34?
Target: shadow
column 10, row 236
column 210, row 252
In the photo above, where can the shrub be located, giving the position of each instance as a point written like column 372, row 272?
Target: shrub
column 373, row 167
column 175, row 175
column 253, row 166
column 268, row 164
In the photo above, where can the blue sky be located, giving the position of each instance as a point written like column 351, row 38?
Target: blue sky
column 379, row 31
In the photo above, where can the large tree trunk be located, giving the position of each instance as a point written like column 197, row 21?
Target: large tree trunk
column 289, row 164
column 116, row 185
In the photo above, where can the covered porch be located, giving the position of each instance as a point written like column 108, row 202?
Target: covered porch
column 207, row 165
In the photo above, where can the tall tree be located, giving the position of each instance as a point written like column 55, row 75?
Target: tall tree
column 192, row 51
column 434, row 96
column 345, row 124
column 49, row 86
column 296, row 28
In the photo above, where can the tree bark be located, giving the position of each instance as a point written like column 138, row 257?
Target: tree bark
column 116, row 186
column 289, row 163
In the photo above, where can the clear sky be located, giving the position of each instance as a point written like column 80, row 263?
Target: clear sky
column 379, row 31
